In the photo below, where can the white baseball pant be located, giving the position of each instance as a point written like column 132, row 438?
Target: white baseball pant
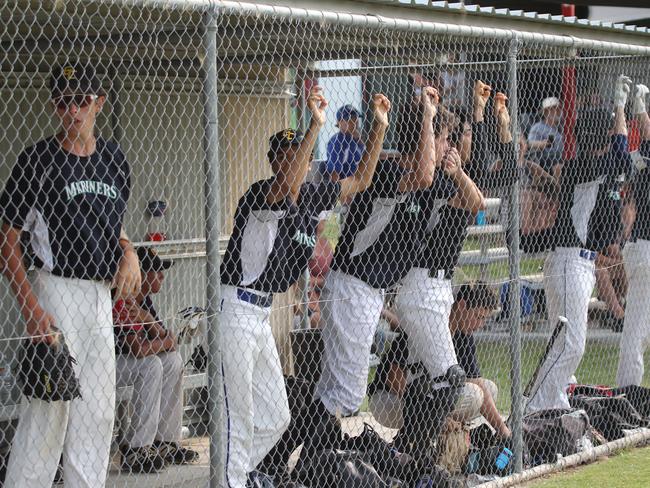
column 569, row 280
column 636, row 329
column 423, row 306
column 255, row 399
column 81, row 429
column 350, row 311
column 157, row 396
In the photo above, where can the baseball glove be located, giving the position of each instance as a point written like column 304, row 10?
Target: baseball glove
column 45, row 371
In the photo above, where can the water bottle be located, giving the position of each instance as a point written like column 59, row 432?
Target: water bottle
column 503, row 459
column 480, row 218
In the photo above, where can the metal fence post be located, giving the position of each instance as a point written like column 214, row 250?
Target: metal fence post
column 213, row 233
column 514, row 270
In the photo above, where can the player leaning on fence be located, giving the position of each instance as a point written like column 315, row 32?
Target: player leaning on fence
column 70, row 192
column 569, row 269
column 425, row 298
column 273, row 238
column 636, row 256
column 374, row 252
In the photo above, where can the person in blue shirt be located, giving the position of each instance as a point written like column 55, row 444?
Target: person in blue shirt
column 545, row 138
column 344, row 149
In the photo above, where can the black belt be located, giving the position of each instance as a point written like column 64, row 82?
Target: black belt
column 441, row 274
column 263, row 301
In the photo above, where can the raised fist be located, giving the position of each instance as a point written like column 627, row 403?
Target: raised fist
column 622, row 90
column 430, row 100
column 316, row 103
column 640, row 92
column 380, row 108
column 482, row 93
column 501, row 110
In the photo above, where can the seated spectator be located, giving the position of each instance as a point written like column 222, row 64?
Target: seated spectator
column 344, row 149
column 146, row 358
column 473, row 304
column 544, row 138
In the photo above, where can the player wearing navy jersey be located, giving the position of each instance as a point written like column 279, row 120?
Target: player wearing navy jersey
column 378, row 238
column 636, row 256
column 70, row 193
column 424, row 301
column 272, row 240
column 569, row 271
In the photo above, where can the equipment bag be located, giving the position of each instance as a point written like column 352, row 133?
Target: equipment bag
column 548, row 433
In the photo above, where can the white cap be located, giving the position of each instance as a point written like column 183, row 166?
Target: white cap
column 550, row 102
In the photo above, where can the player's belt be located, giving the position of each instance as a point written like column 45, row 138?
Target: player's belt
column 587, row 254
column 263, row 301
column 441, row 274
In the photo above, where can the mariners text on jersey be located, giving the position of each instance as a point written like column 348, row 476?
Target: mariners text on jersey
column 270, row 245
column 50, row 194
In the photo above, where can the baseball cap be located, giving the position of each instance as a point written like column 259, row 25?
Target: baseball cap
column 550, row 102
column 150, row 261
column 347, row 112
column 284, row 138
column 75, row 78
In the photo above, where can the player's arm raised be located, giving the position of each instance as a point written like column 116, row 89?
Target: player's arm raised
column 362, row 178
column 292, row 172
column 425, row 155
column 641, row 112
column 468, row 196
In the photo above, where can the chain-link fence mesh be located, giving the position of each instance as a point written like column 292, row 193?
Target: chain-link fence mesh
column 425, row 232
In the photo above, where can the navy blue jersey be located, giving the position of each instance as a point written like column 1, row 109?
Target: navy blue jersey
column 384, row 228
column 72, row 206
column 581, row 187
column 641, row 229
column 445, row 242
column 466, row 354
column 270, row 245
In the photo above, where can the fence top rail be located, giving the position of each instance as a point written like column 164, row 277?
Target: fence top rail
column 434, row 28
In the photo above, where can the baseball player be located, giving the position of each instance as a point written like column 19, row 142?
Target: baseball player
column 375, row 250
column 569, row 269
column 70, row 192
column 272, row 240
column 147, row 358
column 636, row 256
column 425, row 299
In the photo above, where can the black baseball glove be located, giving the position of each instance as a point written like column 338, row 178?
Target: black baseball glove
column 45, row 371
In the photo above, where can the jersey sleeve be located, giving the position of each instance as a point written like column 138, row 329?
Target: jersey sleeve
column 254, row 202
column 618, row 160
column 19, row 195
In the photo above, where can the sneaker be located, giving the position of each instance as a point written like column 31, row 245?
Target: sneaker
column 173, row 453
column 142, row 460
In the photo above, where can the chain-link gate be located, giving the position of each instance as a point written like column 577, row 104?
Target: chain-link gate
column 392, row 251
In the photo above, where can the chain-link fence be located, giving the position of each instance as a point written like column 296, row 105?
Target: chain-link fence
column 396, row 251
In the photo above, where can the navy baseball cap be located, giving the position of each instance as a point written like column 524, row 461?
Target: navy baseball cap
column 347, row 112
column 150, row 261
column 282, row 139
column 75, row 78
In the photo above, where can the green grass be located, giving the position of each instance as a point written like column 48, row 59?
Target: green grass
column 629, row 469
column 598, row 365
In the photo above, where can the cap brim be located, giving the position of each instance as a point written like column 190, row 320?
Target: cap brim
column 166, row 264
